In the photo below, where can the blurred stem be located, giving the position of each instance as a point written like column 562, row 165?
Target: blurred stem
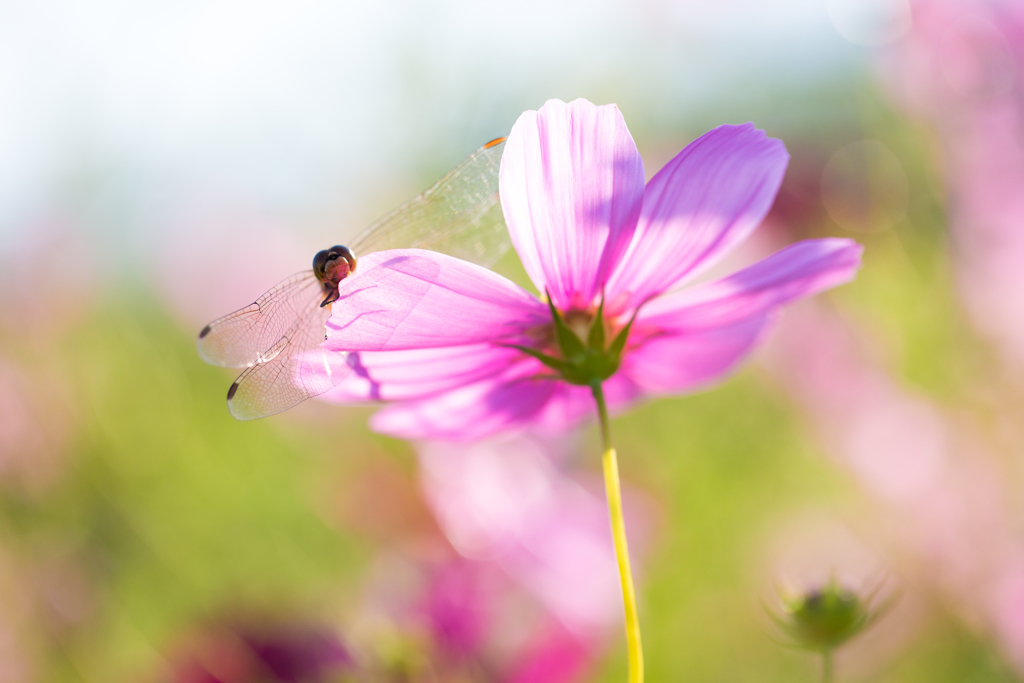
column 613, row 491
column 826, row 666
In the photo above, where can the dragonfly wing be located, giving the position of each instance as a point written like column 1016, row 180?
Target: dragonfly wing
column 241, row 338
column 290, row 371
column 277, row 338
column 459, row 216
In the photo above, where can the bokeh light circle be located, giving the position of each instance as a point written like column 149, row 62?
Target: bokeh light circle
column 864, row 187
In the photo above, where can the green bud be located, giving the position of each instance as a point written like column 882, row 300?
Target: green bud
column 823, row 619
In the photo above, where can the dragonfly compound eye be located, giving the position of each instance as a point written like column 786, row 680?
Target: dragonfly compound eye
column 319, row 261
column 341, row 251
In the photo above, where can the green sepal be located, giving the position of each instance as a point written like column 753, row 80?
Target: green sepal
column 581, row 374
column 582, row 364
column 595, row 339
column 619, row 343
column 782, row 625
column 568, row 343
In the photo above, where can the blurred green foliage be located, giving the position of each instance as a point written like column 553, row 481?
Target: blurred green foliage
column 178, row 511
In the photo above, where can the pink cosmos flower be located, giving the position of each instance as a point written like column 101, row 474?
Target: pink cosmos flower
column 463, row 349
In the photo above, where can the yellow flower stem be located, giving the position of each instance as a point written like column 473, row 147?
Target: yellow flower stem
column 634, row 652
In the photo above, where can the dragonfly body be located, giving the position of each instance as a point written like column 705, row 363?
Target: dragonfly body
column 331, row 266
column 277, row 338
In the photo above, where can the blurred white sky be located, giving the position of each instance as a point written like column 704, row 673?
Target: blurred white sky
column 118, row 113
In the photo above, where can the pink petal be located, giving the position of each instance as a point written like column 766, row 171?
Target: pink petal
column 621, row 392
column 799, row 270
column 568, row 406
column 515, row 400
column 693, row 337
column 413, row 299
column 417, row 373
column 703, row 203
column 571, row 188
column 456, row 394
column 457, row 606
column 571, row 405
column 679, row 363
column 473, row 411
column 353, row 390
column 315, row 369
column 555, row 656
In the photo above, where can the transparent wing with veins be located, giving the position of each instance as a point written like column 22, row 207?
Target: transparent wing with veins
column 277, row 338
column 243, row 338
column 459, row 216
column 292, row 370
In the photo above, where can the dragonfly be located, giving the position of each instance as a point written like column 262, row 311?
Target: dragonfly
column 276, row 339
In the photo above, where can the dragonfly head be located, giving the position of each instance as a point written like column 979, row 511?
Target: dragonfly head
column 331, row 266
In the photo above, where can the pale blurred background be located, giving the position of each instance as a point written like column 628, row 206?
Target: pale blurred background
column 164, row 163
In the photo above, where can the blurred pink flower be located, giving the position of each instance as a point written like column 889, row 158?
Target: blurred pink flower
column 962, row 69
column 531, row 591
column 536, row 594
column 457, row 607
column 507, row 501
column 436, row 332
column 474, row 618
column 554, row 656
column 902, row 448
column 938, row 492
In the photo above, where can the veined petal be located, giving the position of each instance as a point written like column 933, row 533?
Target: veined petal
column 472, row 412
column 515, row 400
column 683, row 362
column 415, row 299
column 692, row 338
column 571, row 189
column 418, row 373
column 703, row 203
column 799, row 270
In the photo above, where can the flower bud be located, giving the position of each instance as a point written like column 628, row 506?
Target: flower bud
column 823, row 619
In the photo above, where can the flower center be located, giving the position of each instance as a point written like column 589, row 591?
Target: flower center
column 579, row 322
column 583, row 355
